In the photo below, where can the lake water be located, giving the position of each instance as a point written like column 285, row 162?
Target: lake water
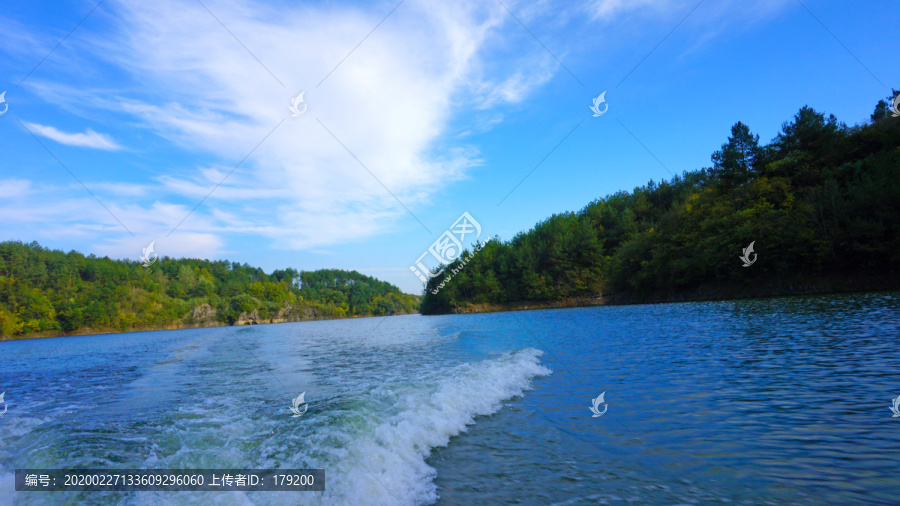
column 759, row 401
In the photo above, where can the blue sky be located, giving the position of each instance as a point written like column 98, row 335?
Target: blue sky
column 441, row 109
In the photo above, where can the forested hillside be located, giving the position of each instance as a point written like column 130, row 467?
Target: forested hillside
column 821, row 201
column 50, row 292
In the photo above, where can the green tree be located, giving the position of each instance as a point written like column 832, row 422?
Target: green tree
column 737, row 161
column 820, row 200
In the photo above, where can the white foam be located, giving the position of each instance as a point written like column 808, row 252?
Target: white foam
column 373, row 454
column 389, row 466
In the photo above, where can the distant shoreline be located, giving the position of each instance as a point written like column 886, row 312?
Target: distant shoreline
column 181, row 326
column 821, row 286
column 710, row 293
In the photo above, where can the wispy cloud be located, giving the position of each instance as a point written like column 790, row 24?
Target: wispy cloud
column 389, row 103
column 721, row 12
column 88, row 139
column 608, row 9
column 174, row 71
column 14, row 188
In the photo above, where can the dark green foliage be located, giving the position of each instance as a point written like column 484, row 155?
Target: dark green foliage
column 739, row 158
column 355, row 293
column 48, row 291
column 882, row 108
column 822, row 198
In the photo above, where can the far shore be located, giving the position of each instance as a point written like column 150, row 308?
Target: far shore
column 181, row 326
column 822, row 286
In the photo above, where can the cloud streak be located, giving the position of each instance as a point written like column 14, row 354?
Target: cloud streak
column 389, row 103
column 172, row 70
column 88, row 139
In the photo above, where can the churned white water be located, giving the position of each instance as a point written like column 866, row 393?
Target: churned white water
column 387, row 464
column 775, row 401
column 379, row 400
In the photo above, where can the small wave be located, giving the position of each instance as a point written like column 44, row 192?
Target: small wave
column 7, row 488
column 389, row 466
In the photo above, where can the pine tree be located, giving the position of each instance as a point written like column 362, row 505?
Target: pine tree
column 736, row 162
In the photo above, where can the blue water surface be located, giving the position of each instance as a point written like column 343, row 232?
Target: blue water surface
column 783, row 400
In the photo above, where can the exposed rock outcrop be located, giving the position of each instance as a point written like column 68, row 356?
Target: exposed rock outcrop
column 203, row 314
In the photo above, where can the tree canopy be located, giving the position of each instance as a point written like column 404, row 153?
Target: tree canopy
column 821, row 199
column 49, row 291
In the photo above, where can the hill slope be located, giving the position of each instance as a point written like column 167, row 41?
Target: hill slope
column 48, row 292
column 821, row 203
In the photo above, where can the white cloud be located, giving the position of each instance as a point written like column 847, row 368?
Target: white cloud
column 732, row 12
column 88, row 139
column 389, row 103
column 518, row 86
column 52, row 213
column 608, row 9
column 180, row 245
column 124, row 189
column 14, row 188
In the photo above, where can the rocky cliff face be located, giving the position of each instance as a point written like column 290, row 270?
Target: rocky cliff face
column 203, row 314
column 287, row 314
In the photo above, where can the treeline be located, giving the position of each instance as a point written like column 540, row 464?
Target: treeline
column 49, row 291
column 820, row 200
